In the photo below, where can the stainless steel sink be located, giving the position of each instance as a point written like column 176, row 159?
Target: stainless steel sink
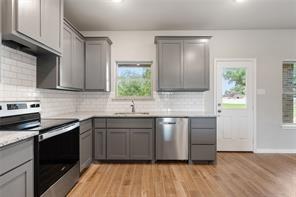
column 131, row 113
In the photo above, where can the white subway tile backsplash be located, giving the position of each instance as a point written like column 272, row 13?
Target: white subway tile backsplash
column 18, row 82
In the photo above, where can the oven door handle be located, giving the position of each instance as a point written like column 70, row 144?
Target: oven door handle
column 58, row 131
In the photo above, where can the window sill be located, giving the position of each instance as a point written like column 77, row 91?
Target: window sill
column 289, row 126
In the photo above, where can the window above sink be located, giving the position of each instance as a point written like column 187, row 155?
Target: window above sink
column 134, row 80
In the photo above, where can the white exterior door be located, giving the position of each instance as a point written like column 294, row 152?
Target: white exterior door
column 235, row 104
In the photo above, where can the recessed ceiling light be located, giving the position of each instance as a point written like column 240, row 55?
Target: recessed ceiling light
column 239, row 1
column 117, row 1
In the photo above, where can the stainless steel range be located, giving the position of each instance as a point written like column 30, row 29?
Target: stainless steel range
column 56, row 158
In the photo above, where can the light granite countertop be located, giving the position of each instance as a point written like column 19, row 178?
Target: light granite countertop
column 10, row 137
column 87, row 115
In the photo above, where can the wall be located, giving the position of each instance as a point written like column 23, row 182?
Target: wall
column 18, row 82
column 269, row 47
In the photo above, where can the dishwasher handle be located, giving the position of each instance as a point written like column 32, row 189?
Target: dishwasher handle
column 168, row 123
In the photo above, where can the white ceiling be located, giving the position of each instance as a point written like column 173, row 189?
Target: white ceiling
column 97, row 15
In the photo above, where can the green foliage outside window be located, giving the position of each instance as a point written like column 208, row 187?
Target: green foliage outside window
column 238, row 77
column 134, row 81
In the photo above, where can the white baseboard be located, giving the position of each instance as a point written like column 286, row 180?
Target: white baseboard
column 275, row 151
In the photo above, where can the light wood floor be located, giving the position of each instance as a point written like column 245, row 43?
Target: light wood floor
column 235, row 174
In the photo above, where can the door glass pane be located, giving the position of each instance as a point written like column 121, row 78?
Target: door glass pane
column 234, row 88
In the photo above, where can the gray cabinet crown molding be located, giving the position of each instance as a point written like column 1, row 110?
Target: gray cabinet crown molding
column 158, row 38
column 107, row 39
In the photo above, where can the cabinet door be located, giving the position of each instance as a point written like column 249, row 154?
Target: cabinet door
column 196, row 65
column 100, row 144
column 141, row 144
column 51, row 17
column 95, row 68
column 66, row 60
column 18, row 182
column 118, row 144
column 28, row 18
column 78, row 63
column 85, row 149
column 170, row 58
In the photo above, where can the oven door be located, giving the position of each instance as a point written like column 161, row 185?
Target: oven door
column 56, row 153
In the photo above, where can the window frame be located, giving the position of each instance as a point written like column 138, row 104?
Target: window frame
column 117, row 97
column 285, row 125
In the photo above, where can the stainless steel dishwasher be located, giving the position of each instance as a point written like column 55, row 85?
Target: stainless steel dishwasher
column 172, row 139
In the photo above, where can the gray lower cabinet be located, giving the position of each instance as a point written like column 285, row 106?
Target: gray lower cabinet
column 203, row 139
column 86, row 144
column 85, row 149
column 100, row 144
column 17, row 170
column 183, row 63
column 141, row 144
column 118, row 144
column 18, row 182
column 130, row 138
column 98, row 64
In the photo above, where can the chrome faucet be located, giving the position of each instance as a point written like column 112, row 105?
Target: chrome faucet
column 133, row 106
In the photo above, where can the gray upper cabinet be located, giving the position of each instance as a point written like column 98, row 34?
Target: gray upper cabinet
column 78, row 62
column 170, row 58
column 28, row 21
column 183, row 63
column 66, row 60
column 52, row 25
column 196, row 65
column 72, row 61
column 66, row 72
column 97, row 64
column 36, row 24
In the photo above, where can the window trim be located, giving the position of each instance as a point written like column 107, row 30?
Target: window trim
column 134, row 97
column 284, row 125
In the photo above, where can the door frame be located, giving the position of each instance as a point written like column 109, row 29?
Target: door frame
column 254, row 97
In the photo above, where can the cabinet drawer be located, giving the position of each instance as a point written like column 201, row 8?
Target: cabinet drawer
column 203, row 136
column 201, row 123
column 85, row 126
column 15, row 155
column 130, row 123
column 203, row 152
column 100, row 123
